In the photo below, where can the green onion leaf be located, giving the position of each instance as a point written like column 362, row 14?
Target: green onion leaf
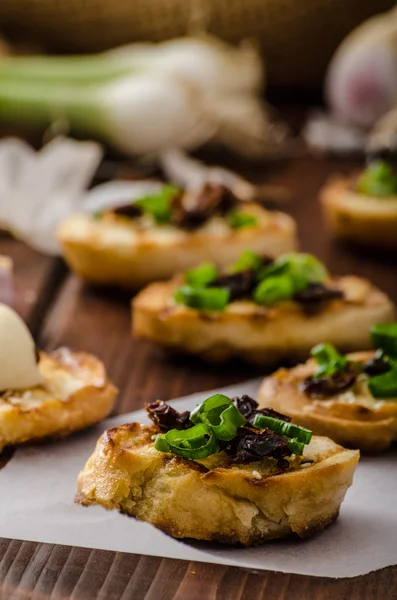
column 274, row 289
column 296, row 446
column 202, row 275
column 219, row 413
column 211, row 403
column 247, row 260
column 159, row 205
column 384, row 337
column 378, row 179
column 202, row 298
column 289, row 430
column 194, row 443
column 302, row 268
column 385, row 385
column 238, row 220
column 328, row 359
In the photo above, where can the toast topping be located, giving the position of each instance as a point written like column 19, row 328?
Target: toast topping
column 335, row 373
column 236, row 427
column 188, row 209
column 379, row 180
column 297, row 277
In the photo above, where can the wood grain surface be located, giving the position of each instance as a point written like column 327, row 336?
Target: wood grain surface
column 63, row 311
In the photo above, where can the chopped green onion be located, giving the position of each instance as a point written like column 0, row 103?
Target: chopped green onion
column 274, row 289
column 385, row 385
column 378, row 179
column 328, row 359
column 238, row 220
column 219, row 413
column 215, row 401
column 202, row 275
column 296, row 446
column 301, row 268
column 197, row 442
column 384, row 337
column 248, row 260
column 289, row 430
column 202, row 298
column 159, row 205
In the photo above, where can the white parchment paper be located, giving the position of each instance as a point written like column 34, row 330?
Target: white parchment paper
column 39, row 483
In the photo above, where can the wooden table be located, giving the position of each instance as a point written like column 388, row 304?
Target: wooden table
column 62, row 311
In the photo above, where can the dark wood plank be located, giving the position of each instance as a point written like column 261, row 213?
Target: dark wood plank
column 99, row 322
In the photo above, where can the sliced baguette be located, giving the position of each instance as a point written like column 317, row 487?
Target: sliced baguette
column 75, row 394
column 362, row 219
column 257, row 334
column 114, row 251
column 212, row 499
column 353, row 418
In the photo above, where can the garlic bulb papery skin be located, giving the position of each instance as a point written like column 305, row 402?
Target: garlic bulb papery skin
column 361, row 83
column 19, row 369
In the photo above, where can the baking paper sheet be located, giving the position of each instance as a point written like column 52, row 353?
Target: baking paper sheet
column 39, row 483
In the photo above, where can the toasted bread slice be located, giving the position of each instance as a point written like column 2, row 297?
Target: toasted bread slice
column 75, row 393
column 257, row 334
column 353, row 418
column 115, row 251
column 363, row 219
column 213, row 499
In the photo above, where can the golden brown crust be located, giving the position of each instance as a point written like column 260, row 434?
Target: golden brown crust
column 75, row 394
column 353, row 418
column 257, row 334
column 366, row 220
column 113, row 251
column 225, row 503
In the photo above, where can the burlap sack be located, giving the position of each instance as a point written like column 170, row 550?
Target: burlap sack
column 298, row 37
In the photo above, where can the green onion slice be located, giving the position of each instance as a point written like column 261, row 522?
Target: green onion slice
column 202, row 275
column 385, row 385
column 219, row 413
column 202, row 298
column 247, row 260
column 384, row 337
column 194, row 443
column 301, row 268
column 296, row 446
column 328, row 359
column 238, row 220
column 289, row 430
column 159, row 205
column 378, row 179
column 274, row 289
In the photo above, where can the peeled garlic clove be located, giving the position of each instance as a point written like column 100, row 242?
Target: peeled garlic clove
column 18, row 360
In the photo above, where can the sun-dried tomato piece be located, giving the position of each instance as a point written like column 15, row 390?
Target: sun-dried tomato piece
column 324, row 387
column 252, row 445
column 166, row 417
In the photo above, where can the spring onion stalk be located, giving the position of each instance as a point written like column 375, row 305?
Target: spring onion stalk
column 140, row 114
column 384, row 386
column 194, row 443
column 204, row 62
column 289, row 430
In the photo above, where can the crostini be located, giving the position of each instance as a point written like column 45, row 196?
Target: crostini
column 260, row 310
column 160, row 235
column 352, row 399
column 224, row 472
column 46, row 395
column 363, row 208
